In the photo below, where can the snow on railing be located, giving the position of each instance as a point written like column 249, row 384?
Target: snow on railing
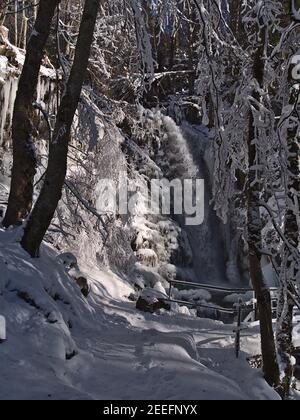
column 237, row 309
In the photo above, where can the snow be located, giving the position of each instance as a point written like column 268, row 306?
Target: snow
column 295, row 12
column 190, row 295
column 63, row 346
column 3, row 67
column 235, row 298
column 148, row 257
column 2, row 328
column 152, row 296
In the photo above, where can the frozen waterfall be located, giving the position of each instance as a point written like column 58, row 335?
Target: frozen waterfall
column 186, row 150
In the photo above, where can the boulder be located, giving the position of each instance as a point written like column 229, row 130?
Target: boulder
column 70, row 263
column 152, row 301
column 133, row 297
column 147, row 257
column 193, row 113
column 83, row 285
column 68, row 260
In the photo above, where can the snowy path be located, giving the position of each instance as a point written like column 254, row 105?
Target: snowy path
column 144, row 356
column 121, row 353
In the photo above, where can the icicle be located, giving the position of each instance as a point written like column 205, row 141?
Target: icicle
column 13, row 93
column 8, row 94
column 5, row 103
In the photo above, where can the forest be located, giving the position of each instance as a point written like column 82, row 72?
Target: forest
column 149, row 201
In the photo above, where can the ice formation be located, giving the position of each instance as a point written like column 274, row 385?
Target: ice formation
column 11, row 61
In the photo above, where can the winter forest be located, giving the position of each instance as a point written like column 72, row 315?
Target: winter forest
column 149, row 201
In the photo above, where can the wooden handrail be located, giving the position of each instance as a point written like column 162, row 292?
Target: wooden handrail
column 215, row 288
column 202, row 305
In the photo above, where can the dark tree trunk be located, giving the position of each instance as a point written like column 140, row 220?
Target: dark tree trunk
column 255, row 225
column 236, row 23
column 285, row 317
column 286, row 302
column 285, row 341
column 50, row 195
column 3, row 5
column 24, row 157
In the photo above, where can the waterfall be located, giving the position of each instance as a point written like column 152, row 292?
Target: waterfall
column 186, row 147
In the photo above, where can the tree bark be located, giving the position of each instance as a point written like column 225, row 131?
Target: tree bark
column 50, row 195
column 24, row 157
column 285, row 318
column 3, row 7
column 285, row 340
column 289, row 269
column 236, row 24
column 255, row 225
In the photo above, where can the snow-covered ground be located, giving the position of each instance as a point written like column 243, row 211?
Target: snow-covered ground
column 61, row 345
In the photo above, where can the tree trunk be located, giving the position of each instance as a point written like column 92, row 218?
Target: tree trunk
column 3, row 8
column 285, row 340
column 285, row 317
column 50, row 195
column 289, row 269
column 236, row 24
column 255, row 225
column 24, row 157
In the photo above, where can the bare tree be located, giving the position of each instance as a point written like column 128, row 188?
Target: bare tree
column 24, row 158
column 289, row 126
column 255, row 226
column 50, row 195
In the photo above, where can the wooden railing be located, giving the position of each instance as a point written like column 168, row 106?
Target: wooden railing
column 237, row 309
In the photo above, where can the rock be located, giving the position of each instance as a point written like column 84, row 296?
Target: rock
column 147, row 257
column 68, row 260
column 70, row 263
column 52, row 318
column 145, row 306
column 168, row 271
column 83, row 285
column 133, row 297
column 139, row 284
column 152, row 301
column 193, row 113
column 71, row 355
column 150, row 277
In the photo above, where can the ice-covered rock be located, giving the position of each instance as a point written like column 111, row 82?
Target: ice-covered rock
column 147, row 257
column 68, row 260
column 152, row 301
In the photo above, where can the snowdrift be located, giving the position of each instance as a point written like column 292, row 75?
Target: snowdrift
column 61, row 345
